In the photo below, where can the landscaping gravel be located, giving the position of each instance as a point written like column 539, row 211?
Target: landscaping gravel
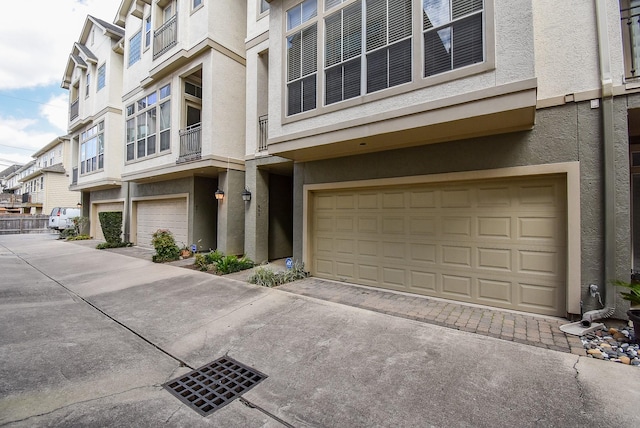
column 617, row 345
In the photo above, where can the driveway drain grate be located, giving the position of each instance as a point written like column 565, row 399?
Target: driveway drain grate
column 214, row 385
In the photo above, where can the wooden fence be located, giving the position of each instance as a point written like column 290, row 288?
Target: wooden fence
column 23, row 223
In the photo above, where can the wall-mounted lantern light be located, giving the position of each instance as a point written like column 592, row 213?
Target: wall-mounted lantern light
column 219, row 194
column 246, row 195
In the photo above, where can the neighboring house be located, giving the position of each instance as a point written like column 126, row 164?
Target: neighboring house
column 94, row 79
column 46, row 185
column 8, row 200
column 470, row 150
column 179, row 103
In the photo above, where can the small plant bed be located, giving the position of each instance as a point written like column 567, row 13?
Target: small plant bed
column 216, row 262
column 79, row 238
column 265, row 277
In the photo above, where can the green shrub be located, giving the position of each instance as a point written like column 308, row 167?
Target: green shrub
column 221, row 264
column 230, row 264
column 165, row 245
column 111, row 224
column 78, row 238
column 201, row 262
column 105, row 245
column 267, row 278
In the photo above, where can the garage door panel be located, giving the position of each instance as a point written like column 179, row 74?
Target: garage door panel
column 495, row 259
column 423, row 282
column 494, row 228
column 460, row 286
column 495, row 292
column 499, row 242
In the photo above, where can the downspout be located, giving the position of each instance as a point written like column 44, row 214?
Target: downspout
column 606, row 83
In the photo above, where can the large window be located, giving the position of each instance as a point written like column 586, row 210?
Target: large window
column 146, row 132
column 369, row 46
column 452, row 34
column 134, row 48
column 92, row 149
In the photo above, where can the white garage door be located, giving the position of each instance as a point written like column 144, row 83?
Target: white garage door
column 168, row 214
column 497, row 243
column 99, row 208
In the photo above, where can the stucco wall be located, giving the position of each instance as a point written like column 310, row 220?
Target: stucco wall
column 562, row 134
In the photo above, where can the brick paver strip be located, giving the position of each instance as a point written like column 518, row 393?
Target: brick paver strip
column 522, row 328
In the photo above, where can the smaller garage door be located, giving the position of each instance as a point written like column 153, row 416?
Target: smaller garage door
column 99, row 208
column 168, row 214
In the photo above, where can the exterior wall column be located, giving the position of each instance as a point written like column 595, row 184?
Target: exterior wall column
column 231, row 213
column 256, row 242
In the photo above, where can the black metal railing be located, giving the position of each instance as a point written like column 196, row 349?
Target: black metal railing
column 630, row 19
column 165, row 37
column 190, row 143
column 74, row 110
column 263, row 134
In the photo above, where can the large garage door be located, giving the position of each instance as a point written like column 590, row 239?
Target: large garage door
column 113, row 206
column 497, row 243
column 162, row 214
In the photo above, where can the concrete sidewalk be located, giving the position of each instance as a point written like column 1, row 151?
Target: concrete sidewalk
column 90, row 336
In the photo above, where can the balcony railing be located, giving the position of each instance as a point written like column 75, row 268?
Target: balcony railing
column 74, row 176
column 190, row 143
column 630, row 19
column 165, row 37
column 263, row 135
column 74, row 111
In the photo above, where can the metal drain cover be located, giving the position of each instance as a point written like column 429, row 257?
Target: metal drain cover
column 214, row 385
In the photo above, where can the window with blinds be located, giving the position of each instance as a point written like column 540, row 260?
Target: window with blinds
column 343, row 50
column 388, row 43
column 453, row 34
column 367, row 46
column 302, row 63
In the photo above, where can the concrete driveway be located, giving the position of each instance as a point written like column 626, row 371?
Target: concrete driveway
column 88, row 338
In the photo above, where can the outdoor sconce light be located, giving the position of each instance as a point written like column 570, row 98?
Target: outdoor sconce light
column 219, row 194
column 79, row 205
column 246, row 195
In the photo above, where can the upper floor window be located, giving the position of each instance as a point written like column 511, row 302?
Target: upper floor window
column 369, row 46
column 147, row 31
column 149, row 120
column 87, row 85
column 302, row 67
column 264, row 6
column 452, row 34
column 92, row 149
column 102, row 70
column 630, row 19
column 196, row 3
column 134, row 48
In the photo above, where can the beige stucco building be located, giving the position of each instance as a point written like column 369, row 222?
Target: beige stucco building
column 472, row 150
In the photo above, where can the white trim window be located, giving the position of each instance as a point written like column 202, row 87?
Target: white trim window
column 102, row 76
column 196, row 3
column 143, row 125
column 453, row 34
column 87, row 83
column 302, row 64
column 92, row 149
column 264, row 6
column 147, row 32
column 135, row 52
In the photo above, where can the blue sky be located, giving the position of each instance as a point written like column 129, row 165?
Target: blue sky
column 33, row 106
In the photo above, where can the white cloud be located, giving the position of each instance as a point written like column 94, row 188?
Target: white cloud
column 56, row 111
column 35, row 45
column 19, row 139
